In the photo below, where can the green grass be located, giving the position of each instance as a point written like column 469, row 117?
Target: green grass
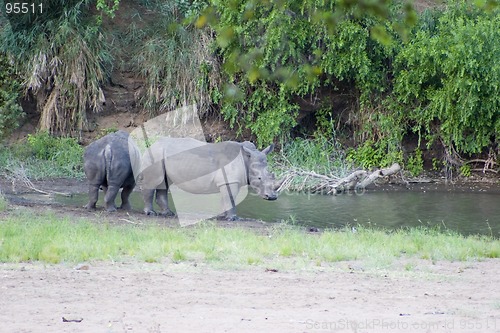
column 47, row 238
column 3, row 202
column 34, row 168
column 42, row 156
column 321, row 155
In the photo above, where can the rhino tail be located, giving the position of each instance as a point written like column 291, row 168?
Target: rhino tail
column 108, row 157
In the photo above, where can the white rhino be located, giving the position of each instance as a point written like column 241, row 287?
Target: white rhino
column 204, row 168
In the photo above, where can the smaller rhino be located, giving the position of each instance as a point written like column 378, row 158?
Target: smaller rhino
column 108, row 163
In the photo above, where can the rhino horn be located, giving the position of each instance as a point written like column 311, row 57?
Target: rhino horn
column 268, row 149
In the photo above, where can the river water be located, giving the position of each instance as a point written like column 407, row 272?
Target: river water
column 466, row 212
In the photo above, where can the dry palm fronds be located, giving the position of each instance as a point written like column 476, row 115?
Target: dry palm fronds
column 178, row 67
column 63, row 70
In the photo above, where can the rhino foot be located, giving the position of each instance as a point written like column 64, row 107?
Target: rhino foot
column 89, row 207
column 150, row 212
column 228, row 218
column 168, row 213
column 111, row 209
column 125, row 207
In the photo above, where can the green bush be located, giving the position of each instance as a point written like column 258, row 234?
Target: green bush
column 10, row 110
column 448, row 75
column 415, row 163
column 373, row 155
column 65, row 152
column 61, row 56
column 42, row 156
column 276, row 53
column 19, row 160
column 175, row 60
column 465, row 170
column 320, row 154
column 47, row 147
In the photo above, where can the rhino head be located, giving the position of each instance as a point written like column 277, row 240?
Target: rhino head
column 259, row 177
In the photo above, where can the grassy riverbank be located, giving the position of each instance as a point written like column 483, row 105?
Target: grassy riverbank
column 46, row 237
column 42, row 156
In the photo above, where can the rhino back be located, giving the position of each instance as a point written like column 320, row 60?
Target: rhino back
column 116, row 139
column 204, row 168
column 109, row 156
column 193, row 165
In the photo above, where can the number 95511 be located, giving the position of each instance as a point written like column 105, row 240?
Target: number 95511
column 23, row 8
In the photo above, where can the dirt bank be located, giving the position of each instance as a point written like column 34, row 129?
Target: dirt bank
column 346, row 297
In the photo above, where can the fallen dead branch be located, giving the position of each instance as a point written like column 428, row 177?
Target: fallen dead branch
column 377, row 174
column 483, row 170
column 18, row 176
column 489, row 164
column 329, row 184
column 129, row 221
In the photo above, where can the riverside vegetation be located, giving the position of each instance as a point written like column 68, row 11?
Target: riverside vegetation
column 403, row 73
column 26, row 235
column 428, row 76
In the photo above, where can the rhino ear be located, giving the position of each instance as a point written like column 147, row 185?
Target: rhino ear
column 268, row 149
column 249, row 145
column 247, row 150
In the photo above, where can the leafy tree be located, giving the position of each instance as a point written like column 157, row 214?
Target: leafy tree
column 448, row 76
column 276, row 52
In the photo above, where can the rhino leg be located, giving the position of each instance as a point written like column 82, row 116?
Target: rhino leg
column 147, row 196
column 229, row 193
column 162, row 201
column 127, row 190
column 110, row 196
column 93, row 196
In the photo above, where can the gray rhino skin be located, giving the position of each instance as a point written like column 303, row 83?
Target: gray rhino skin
column 108, row 164
column 201, row 168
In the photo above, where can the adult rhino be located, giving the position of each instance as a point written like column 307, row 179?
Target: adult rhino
column 204, row 168
column 108, row 163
